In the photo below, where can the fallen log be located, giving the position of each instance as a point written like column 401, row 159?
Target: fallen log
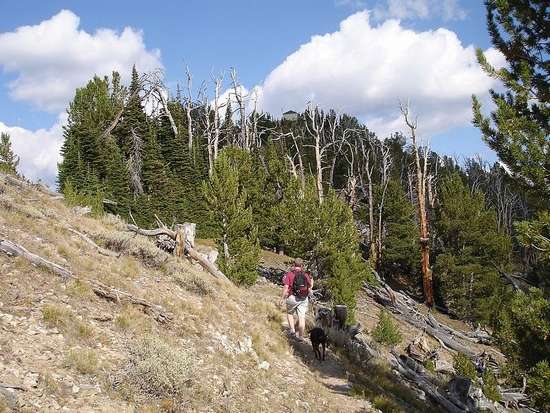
column 420, row 380
column 118, row 296
column 157, row 312
column 15, row 250
column 101, row 250
column 404, row 308
column 151, row 232
column 185, row 239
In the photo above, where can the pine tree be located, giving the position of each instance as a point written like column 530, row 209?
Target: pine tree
column 519, row 128
column 400, row 258
column 134, row 119
column 84, row 149
column 8, row 160
column 326, row 234
column 471, row 251
column 237, row 236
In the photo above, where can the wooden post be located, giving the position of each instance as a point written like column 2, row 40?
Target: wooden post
column 341, row 315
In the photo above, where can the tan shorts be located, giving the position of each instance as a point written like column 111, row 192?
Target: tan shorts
column 294, row 305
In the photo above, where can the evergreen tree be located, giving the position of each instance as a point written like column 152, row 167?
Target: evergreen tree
column 326, row 234
column 519, row 128
column 84, row 150
column 134, row 119
column 400, row 258
column 8, row 160
column 470, row 250
column 237, row 237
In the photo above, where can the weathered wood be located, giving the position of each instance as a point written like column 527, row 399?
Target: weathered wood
column 404, row 308
column 101, row 250
column 12, row 386
column 207, row 265
column 151, row 232
column 185, row 238
column 118, row 296
column 421, row 381
column 100, row 289
column 13, row 249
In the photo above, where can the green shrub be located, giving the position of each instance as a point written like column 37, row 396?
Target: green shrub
column 386, row 331
column 490, row 386
column 464, row 366
column 538, row 385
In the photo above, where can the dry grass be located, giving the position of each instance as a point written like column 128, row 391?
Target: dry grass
column 79, row 289
column 84, row 361
column 136, row 246
column 55, row 316
column 158, row 369
column 131, row 320
column 50, row 384
column 195, row 284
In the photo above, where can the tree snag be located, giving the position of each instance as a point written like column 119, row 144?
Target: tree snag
column 421, row 172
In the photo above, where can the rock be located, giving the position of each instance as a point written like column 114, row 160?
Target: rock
column 75, row 389
column 10, row 397
column 82, row 210
column 444, row 366
column 245, row 346
column 264, row 365
column 31, row 380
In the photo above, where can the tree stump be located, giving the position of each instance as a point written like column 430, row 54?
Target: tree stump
column 340, row 315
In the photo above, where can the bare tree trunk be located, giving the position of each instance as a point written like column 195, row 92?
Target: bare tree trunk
column 188, row 109
column 422, row 214
column 384, row 172
column 245, row 144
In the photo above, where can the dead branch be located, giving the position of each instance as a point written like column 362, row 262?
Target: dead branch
column 15, row 250
column 184, row 239
column 101, row 250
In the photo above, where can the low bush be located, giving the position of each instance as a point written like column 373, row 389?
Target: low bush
column 157, row 369
column 386, row 331
column 464, row 366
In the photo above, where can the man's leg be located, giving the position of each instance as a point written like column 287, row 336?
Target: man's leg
column 290, row 319
column 301, row 325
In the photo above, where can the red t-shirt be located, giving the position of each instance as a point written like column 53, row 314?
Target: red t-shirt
column 288, row 279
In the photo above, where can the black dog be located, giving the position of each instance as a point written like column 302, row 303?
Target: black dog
column 318, row 338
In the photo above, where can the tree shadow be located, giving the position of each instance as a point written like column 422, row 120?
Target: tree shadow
column 330, row 368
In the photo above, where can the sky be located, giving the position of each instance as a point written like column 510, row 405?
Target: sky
column 361, row 57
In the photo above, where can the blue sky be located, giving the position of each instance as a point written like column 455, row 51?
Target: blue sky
column 269, row 43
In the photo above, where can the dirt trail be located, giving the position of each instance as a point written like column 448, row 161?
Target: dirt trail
column 332, row 374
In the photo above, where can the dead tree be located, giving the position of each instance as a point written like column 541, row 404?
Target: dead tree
column 385, row 167
column 134, row 164
column 240, row 98
column 213, row 129
column 366, row 165
column 421, row 174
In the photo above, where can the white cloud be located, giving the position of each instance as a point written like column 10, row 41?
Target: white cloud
column 419, row 9
column 366, row 70
column 39, row 151
column 53, row 58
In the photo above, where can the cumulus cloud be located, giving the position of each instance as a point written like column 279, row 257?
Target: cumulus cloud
column 53, row 58
column 39, row 150
column 366, row 70
column 419, row 9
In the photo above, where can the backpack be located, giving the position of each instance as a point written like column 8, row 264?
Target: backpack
column 300, row 286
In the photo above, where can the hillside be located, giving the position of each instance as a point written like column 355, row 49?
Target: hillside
column 64, row 348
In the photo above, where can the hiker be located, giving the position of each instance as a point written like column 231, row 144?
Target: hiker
column 297, row 285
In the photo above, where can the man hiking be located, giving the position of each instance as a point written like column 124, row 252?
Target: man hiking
column 296, row 287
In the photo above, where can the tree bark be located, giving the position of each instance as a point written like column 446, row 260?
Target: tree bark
column 427, row 282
